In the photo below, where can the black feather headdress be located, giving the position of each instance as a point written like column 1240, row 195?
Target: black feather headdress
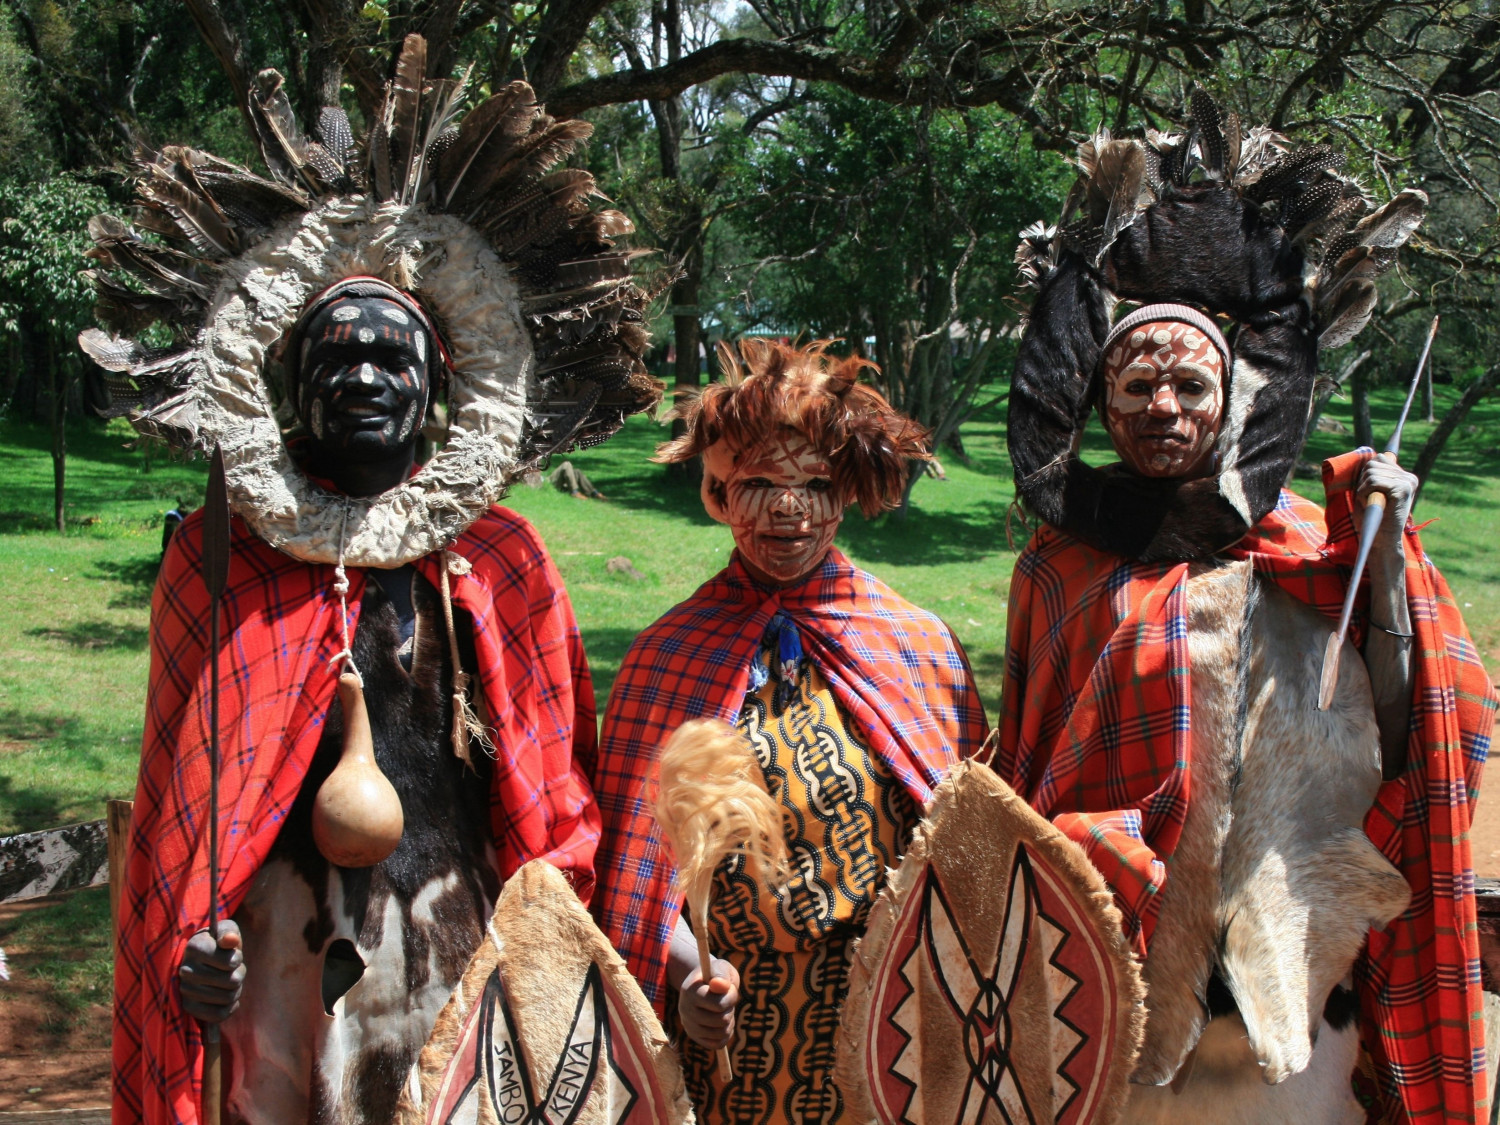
column 1238, row 223
column 464, row 211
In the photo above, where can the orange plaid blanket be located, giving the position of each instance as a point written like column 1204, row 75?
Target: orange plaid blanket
column 1095, row 730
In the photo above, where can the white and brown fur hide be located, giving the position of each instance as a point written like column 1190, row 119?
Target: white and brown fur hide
column 347, row 969
column 1274, row 884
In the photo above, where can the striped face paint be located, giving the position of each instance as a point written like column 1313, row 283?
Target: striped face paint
column 363, row 383
column 780, row 503
column 1164, row 399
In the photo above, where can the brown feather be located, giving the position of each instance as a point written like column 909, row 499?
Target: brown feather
column 281, row 141
column 535, row 154
column 405, row 118
column 486, row 135
column 197, row 218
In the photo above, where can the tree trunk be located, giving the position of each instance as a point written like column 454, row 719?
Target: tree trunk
column 685, row 332
column 1432, row 449
column 59, row 434
column 1359, row 391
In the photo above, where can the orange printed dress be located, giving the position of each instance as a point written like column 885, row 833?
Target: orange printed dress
column 847, row 819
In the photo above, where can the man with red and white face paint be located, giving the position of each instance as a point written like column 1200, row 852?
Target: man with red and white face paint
column 1163, row 394
column 855, row 702
column 780, row 502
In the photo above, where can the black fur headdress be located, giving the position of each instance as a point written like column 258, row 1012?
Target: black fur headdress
column 1240, row 224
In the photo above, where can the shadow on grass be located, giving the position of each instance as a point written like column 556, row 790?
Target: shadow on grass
column 137, row 577
column 88, row 635
column 67, row 741
column 63, row 944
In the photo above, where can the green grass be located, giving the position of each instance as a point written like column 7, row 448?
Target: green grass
column 74, row 606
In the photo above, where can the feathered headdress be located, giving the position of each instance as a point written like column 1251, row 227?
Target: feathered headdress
column 1239, row 223
column 542, row 319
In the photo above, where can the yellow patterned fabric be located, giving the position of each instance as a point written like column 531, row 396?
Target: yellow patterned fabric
column 847, row 820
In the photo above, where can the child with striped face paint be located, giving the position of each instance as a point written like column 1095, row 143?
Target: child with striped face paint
column 1163, row 390
column 361, row 354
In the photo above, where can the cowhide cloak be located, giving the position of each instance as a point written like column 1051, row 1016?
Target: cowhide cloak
column 1274, row 883
column 347, row 969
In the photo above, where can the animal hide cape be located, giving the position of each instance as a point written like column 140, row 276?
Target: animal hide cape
column 1096, row 732
column 899, row 674
column 547, row 1026
column 1012, row 997
column 281, row 633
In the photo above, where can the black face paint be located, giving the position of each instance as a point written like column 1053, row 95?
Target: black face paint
column 362, row 380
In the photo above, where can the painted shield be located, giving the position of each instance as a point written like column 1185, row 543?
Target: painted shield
column 547, row 1027
column 993, row 984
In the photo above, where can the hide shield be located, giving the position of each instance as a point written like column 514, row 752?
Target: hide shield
column 993, row 984
column 547, row 1027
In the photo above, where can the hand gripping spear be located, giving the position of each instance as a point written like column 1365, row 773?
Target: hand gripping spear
column 1374, row 510
column 215, row 573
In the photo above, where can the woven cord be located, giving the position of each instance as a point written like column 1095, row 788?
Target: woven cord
column 466, row 724
column 345, row 655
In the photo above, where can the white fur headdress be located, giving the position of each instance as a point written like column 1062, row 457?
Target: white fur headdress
column 534, row 300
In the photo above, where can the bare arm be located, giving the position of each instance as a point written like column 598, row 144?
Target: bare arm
column 1388, row 643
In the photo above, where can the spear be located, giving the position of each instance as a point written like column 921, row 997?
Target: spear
column 215, row 574
column 1374, row 510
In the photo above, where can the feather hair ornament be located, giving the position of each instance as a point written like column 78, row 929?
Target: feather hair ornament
column 466, row 211
column 712, row 804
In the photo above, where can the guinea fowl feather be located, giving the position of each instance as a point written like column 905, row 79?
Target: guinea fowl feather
column 335, row 134
column 250, row 202
column 1294, row 173
column 1208, row 122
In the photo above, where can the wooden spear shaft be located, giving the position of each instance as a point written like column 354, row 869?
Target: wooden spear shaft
column 215, row 575
column 1369, row 528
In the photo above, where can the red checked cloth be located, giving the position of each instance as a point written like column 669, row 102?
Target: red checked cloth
column 1095, row 725
column 896, row 671
column 281, row 631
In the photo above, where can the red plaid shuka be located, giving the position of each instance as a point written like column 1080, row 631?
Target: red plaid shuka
column 899, row 674
column 1095, row 725
column 280, row 634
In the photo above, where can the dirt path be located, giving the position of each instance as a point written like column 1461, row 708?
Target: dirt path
column 47, row 1064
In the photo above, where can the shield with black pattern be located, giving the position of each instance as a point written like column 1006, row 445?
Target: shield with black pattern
column 993, row 985
column 547, row 1027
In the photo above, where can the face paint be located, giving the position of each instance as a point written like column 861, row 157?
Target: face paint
column 781, row 505
column 1164, row 399
column 363, row 381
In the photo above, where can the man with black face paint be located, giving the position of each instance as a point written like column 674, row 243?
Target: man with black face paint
column 379, row 949
column 361, row 384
